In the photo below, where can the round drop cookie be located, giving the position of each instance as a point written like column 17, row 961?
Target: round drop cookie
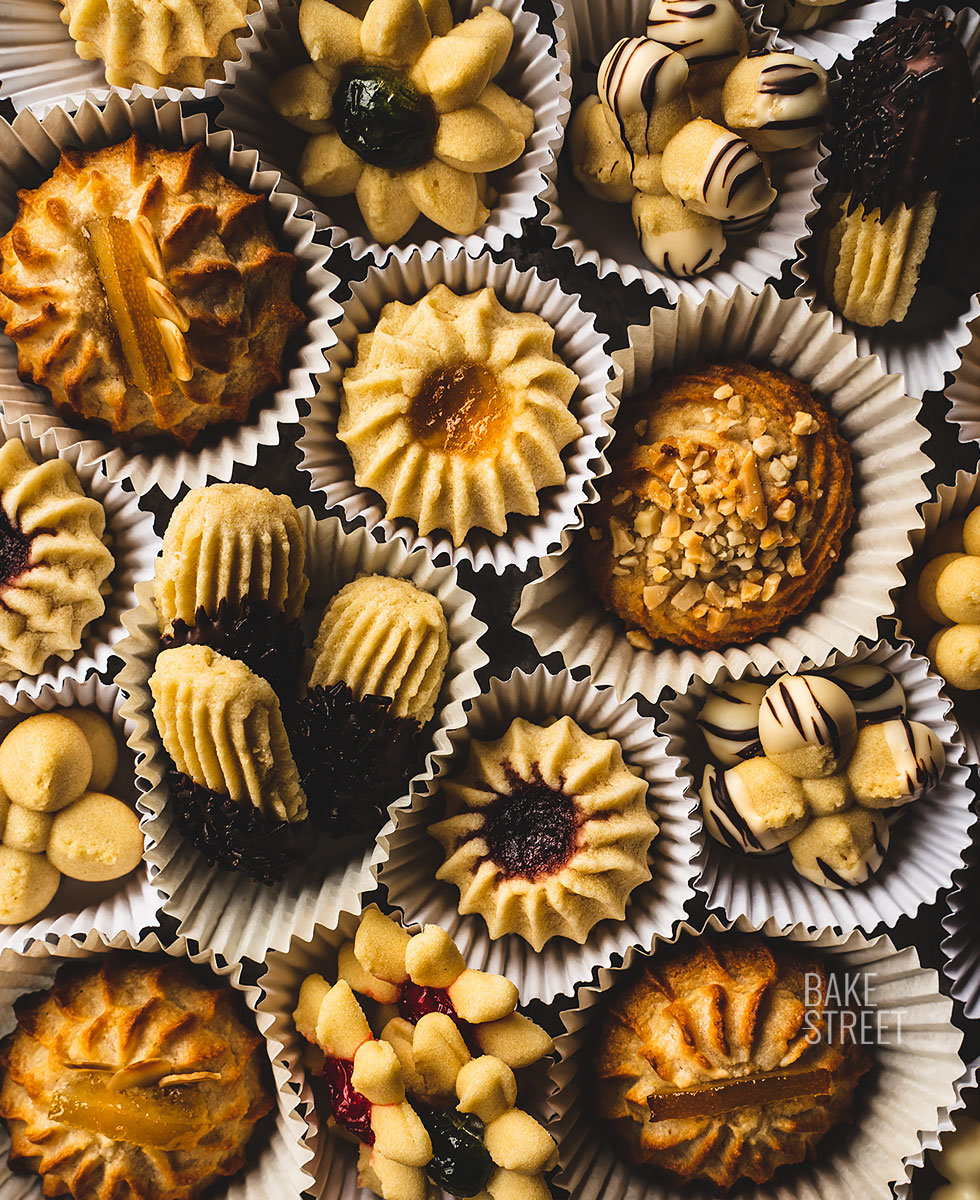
column 674, row 237
column 637, row 76
column 708, row 33
column 755, row 807
column 96, row 838
column 895, row 762
column 776, row 101
column 875, row 693
column 28, row 883
column 807, row 725
column 841, row 850
column 45, row 762
column 958, row 590
column 729, row 721
column 102, row 743
column 600, row 161
column 717, row 173
column 956, row 654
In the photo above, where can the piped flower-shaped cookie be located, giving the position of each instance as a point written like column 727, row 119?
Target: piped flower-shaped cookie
column 403, row 112
column 433, row 1100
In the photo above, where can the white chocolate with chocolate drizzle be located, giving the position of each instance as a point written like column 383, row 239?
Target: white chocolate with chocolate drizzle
column 807, row 725
column 639, row 74
column 875, row 693
column 673, row 238
column 729, row 721
column 776, row 101
column 703, row 31
column 754, row 807
column 716, row 173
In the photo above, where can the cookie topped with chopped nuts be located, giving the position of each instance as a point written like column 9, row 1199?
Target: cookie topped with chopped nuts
column 729, row 498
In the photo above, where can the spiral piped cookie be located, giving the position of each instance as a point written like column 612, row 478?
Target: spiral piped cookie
column 53, row 561
column 547, row 832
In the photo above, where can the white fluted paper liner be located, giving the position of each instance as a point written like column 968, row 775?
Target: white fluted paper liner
column 927, row 844
column 276, row 1155
column 916, row 1066
column 130, row 536
column 530, row 75
column 29, row 152
column 40, row 68
column 577, row 343
column 963, row 391
column 933, row 1139
column 960, row 946
column 225, row 909
column 561, row 612
column 838, row 37
column 126, row 905
column 602, row 234
column 928, row 343
column 951, row 500
column 414, row 856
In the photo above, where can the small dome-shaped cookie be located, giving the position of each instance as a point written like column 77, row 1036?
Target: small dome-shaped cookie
column 95, row 838
column 54, row 561
column 45, row 762
column 145, row 291
column 894, row 763
column 131, row 1076
column 729, row 721
column 875, row 693
column 102, row 742
column 456, row 412
column 709, row 36
column 776, row 101
column 231, row 543
column 714, row 1046
column 841, row 850
column 547, row 832
column 956, row 654
column 600, row 162
column 675, row 238
column 384, row 637
column 637, row 76
column 807, row 725
column 717, row 173
column 958, row 590
column 755, row 807
column 28, row 883
column 928, row 581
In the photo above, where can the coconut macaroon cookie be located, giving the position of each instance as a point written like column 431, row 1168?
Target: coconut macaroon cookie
column 402, row 111
column 810, row 764
column 547, row 832
column 55, row 561
column 456, row 412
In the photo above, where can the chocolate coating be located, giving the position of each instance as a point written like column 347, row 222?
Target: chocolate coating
column 901, row 105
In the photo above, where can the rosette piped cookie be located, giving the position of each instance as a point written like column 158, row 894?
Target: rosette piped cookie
column 432, row 1099
column 54, row 561
column 403, row 112
column 456, row 412
column 725, row 1059
column 902, row 107
column 146, row 292
column 343, row 724
column 678, row 124
column 154, row 43
column 726, row 508
column 131, row 1077
column 816, row 765
column 547, row 832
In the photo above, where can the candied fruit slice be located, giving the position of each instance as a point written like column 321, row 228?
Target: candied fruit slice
column 725, row 1095
column 117, row 260
column 458, row 410
column 171, row 1119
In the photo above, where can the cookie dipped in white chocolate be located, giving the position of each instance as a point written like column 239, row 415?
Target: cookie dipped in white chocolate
column 716, row 173
column 875, row 693
column 754, row 807
column 841, row 851
column 776, row 101
column 807, row 725
column 703, row 31
column 729, row 720
column 637, row 76
column 675, row 239
column 894, row 763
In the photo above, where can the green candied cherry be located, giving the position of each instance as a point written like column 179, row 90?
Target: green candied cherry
column 383, row 117
column 460, row 1163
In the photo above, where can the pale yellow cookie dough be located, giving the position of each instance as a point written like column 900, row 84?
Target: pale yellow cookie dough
column 600, row 161
column 971, row 532
column 45, row 762
column 27, row 830
column 926, row 588
column 956, row 654
column 96, row 838
column 828, row 795
column 958, row 590
column 101, row 739
column 28, row 884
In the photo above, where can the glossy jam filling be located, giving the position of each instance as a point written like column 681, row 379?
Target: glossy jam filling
column 383, row 117
column 15, row 550
column 458, row 410
column 532, row 831
column 162, row 1118
column 415, row 1001
column 722, row 1096
column 347, row 1106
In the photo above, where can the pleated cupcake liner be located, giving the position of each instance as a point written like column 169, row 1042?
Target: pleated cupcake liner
column 40, row 67
column 963, row 391
column 927, row 844
column 530, row 75
column 333, row 1159
column 934, row 1138
column 577, row 343
column 127, row 905
column 910, row 1087
column 950, row 500
column 277, row 1158
column 960, row 946
column 602, row 234
column 921, row 348
column 414, row 856
column 29, row 152
column 129, row 535
column 838, row 37
column 561, row 612
column 225, row 909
